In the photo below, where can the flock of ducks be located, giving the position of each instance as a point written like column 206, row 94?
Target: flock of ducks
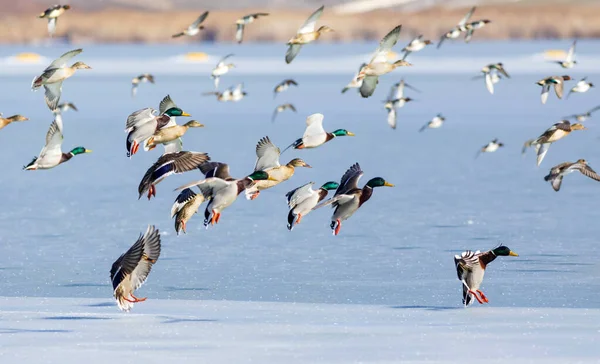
column 149, row 128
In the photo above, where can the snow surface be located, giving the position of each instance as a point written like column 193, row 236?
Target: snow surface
column 384, row 290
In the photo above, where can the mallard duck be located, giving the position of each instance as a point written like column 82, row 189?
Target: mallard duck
column 471, row 27
column 491, row 75
column 143, row 124
column 52, row 155
column 220, row 69
column 470, row 268
column 52, row 14
column 131, row 270
column 194, row 28
column 65, row 106
column 243, row 21
column 490, row 147
column 54, row 75
column 267, row 159
column 528, row 144
column 379, row 64
column 556, row 81
column 11, row 119
column 135, row 83
column 569, row 61
column 349, row 198
column 283, row 85
column 415, row 45
column 458, row 29
column 282, row 108
column 554, row 133
column 301, row 200
column 435, row 123
column 584, row 116
column 222, row 189
column 355, row 83
column 391, row 106
column 169, row 134
column 305, row 35
column 557, row 172
column 166, row 165
column 184, row 207
column 582, row 86
column 315, row 135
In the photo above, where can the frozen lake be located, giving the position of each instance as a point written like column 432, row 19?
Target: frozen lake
column 60, row 230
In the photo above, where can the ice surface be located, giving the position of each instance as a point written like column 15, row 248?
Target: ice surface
column 60, row 230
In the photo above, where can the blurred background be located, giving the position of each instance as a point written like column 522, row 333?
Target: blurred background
column 353, row 20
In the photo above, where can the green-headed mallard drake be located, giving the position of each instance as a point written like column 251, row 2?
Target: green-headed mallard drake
column 490, row 147
column 52, row 155
column 171, row 133
column 356, row 82
column 135, row 82
column 65, row 106
column 470, row 268
column 282, row 108
column 472, row 26
column 166, row 165
column 131, row 270
column 569, row 61
column 556, row 81
column 556, row 174
column 221, row 188
column 267, row 159
column 554, row 133
column 11, row 119
column 583, row 116
column 435, row 123
column 303, row 199
column 52, row 14
column 458, row 29
column 194, row 28
column 243, row 21
column 315, row 135
column 415, row 45
column 582, row 86
column 55, row 74
column 283, row 85
column 184, row 207
column 349, row 198
column 220, row 69
column 305, row 35
column 144, row 124
column 379, row 64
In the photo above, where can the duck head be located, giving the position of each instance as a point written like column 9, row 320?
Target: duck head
column 175, row 111
column 17, row 118
column 79, row 150
column 342, row 132
column 578, row 126
column 401, row 63
column 298, row 162
column 504, row 252
column 378, row 182
column 328, row 186
column 80, row 66
column 324, row 29
column 193, row 124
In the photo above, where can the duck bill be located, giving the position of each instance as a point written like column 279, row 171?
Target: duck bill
column 351, row 133
column 513, row 254
column 185, row 114
column 88, row 150
column 387, row 184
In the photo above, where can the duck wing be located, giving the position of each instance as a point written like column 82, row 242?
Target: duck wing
column 314, row 134
column 368, row 85
column 215, row 169
column 545, row 90
column 297, row 195
column 571, row 52
column 150, row 242
column 541, row 150
column 267, row 155
column 52, row 94
column 182, row 199
column 466, row 18
column 54, row 139
column 489, row 84
column 392, row 116
column 385, row 46
column 292, row 52
column 239, row 33
column 200, row 20
column 349, row 180
column 309, row 24
column 166, row 104
column 62, row 60
column 139, row 117
column 588, row 172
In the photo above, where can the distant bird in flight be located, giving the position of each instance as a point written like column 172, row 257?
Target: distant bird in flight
column 396, row 100
column 582, row 86
column 65, row 106
column 131, row 270
column 379, row 64
column 282, row 108
column 283, row 85
column 415, row 45
column 220, row 69
column 569, row 61
column 471, row 27
column 52, row 14
column 553, row 134
column 135, row 83
column 242, row 22
column 557, row 172
column 556, row 81
column 315, row 135
column 194, row 28
column 491, row 75
column 458, row 29
column 583, row 116
column 305, row 35
column 435, row 123
column 53, row 76
column 490, row 147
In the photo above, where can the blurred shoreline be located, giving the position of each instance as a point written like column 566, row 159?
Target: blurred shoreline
column 115, row 25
